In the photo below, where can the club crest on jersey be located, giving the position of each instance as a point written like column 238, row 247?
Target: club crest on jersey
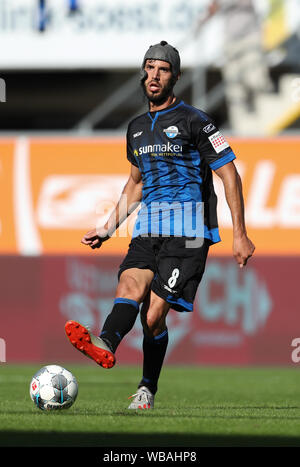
column 171, row 131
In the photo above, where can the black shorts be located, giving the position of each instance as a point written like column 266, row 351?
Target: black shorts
column 177, row 269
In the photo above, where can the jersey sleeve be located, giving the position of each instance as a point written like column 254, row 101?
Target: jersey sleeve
column 130, row 152
column 210, row 142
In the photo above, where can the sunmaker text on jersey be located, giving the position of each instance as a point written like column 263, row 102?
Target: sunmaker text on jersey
column 160, row 149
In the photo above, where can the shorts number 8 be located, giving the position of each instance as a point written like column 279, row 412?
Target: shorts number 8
column 173, row 278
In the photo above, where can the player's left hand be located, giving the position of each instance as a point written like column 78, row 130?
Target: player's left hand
column 243, row 249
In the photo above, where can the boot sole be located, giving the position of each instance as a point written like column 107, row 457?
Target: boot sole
column 80, row 338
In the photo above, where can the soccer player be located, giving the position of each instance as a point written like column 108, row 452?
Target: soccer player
column 172, row 149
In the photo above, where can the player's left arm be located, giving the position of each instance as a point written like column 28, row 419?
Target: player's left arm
column 243, row 248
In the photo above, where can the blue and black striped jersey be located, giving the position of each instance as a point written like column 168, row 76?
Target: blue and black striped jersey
column 175, row 150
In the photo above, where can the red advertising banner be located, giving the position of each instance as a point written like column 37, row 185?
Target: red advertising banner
column 241, row 317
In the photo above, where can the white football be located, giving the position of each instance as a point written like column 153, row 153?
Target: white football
column 53, row 387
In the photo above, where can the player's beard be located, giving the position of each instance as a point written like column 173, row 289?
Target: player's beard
column 163, row 95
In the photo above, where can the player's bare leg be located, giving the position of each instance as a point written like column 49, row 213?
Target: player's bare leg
column 133, row 285
column 153, row 314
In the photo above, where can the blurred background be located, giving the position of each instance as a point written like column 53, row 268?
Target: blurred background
column 69, row 85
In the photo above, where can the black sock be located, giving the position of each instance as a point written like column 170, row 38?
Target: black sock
column 154, row 349
column 119, row 322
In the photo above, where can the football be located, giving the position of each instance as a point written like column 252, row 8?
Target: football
column 53, row 388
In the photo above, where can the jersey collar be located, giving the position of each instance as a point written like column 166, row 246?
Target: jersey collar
column 154, row 115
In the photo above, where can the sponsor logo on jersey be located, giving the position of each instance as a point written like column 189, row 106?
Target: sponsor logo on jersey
column 218, row 142
column 137, row 134
column 209, row 128
column 168, row 149
column 171, row 131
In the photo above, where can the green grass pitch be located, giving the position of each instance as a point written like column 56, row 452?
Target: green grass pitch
column 195, row 406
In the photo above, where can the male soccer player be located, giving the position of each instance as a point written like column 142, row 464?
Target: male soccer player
column 172, row 149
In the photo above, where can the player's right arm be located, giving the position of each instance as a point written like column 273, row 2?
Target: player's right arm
column 129, row 200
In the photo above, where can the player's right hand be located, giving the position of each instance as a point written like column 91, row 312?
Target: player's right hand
column 94, row 238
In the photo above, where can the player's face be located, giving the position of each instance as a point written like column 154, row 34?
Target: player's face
column 159, row 82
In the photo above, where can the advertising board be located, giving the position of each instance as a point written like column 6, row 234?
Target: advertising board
column 240, row 317
column 54, row 190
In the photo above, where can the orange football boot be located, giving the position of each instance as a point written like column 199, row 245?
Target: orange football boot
column 91, row 346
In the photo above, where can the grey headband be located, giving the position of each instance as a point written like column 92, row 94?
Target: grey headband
column 165, row 52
